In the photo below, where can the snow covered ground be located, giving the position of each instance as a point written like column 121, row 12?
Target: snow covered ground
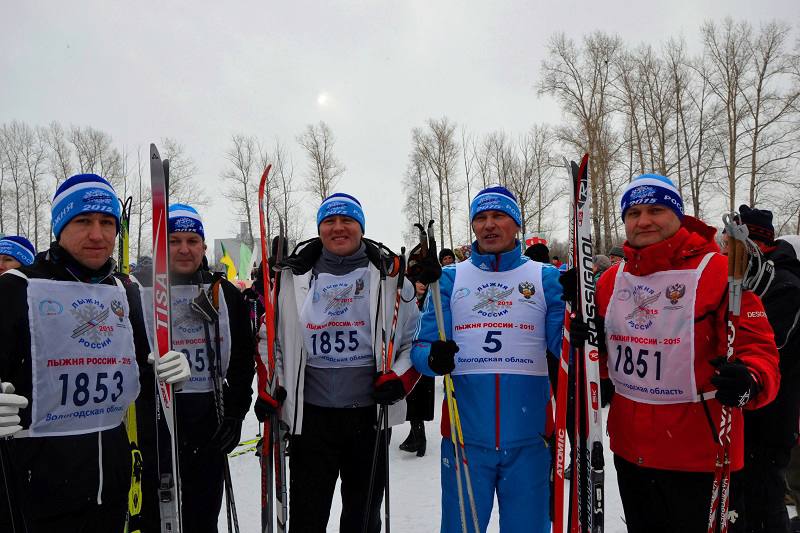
column 415, row 493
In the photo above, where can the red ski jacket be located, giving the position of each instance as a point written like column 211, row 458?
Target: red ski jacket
column 679, row 436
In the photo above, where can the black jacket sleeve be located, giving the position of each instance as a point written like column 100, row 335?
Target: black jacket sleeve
column 15, row 349
column 140, row 340
column 238, row 387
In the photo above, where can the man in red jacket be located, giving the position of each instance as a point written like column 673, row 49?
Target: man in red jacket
column 664, row 310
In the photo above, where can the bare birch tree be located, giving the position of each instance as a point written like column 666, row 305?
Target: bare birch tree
column 60, row 153
column 773, row 116
column 438, row 150
column 324, row 169
column 284, row 191
column 183, row 186
column 243, row 176
column 582, row 79
column 729, row 52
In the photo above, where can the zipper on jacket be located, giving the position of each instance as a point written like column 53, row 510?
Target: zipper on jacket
column 297, row 394
column 100, row 468
column 497, row 383
column 497, row 411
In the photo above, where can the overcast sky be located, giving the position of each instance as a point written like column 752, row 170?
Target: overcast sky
column 202, row 71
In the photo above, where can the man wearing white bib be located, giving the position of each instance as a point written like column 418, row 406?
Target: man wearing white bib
column 665, row 314
column 74, row 341
column 223, row 342
column 503, row 315
column 335, row 306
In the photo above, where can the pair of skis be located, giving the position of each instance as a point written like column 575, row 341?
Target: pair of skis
column 274, row 497
column 169, row 489
column 579, row 381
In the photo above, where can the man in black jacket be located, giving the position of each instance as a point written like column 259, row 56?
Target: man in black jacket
column 214, row 334
column 771, row 432
column 74, row 346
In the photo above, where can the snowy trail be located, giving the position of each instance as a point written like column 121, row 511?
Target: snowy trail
column 415, row 489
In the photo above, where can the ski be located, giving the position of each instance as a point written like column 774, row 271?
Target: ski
column 243, row 451
column 133, row 523
column 169, row 493
column 579, row 377
column 265, row 370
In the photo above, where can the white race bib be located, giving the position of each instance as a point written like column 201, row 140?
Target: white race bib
column 188, row 334
column 499, row 320
column 336, row 323
column 82, row 355
column 650, row 335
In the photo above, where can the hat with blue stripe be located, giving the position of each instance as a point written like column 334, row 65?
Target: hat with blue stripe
column 80, row 194
column 649, row 189
column 185, row 218
column 19, row 248
column 342, row 205
column 496, row 199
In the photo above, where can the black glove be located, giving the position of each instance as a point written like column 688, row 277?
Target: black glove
column 569, row 281
column 388, row 389
column 423, row 268
column 578, row 332
column 266, row 407
column 441, row 358
column 606, row 391
column 227, row 435
column 735, row 384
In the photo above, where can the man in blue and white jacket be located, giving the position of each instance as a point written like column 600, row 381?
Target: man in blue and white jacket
column 503, row 316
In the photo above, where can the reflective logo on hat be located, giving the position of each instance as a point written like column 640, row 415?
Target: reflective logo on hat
column 97, row 196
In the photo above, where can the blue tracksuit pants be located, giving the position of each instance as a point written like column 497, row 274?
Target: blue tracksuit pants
column 520, row 477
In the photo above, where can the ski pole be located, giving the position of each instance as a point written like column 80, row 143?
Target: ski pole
column 387, row 355
column 456, row 435
column 5, row 459
column 737, row 256
column 428, row 243
column 203, row 306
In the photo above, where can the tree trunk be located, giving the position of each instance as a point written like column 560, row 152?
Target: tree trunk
column 449, row 213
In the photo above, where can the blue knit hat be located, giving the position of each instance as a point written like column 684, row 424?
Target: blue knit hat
column 83, row 193
column 650, row 189
column 496, row 199
column 343, row 205
column 185, row 218
column 19, row 248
